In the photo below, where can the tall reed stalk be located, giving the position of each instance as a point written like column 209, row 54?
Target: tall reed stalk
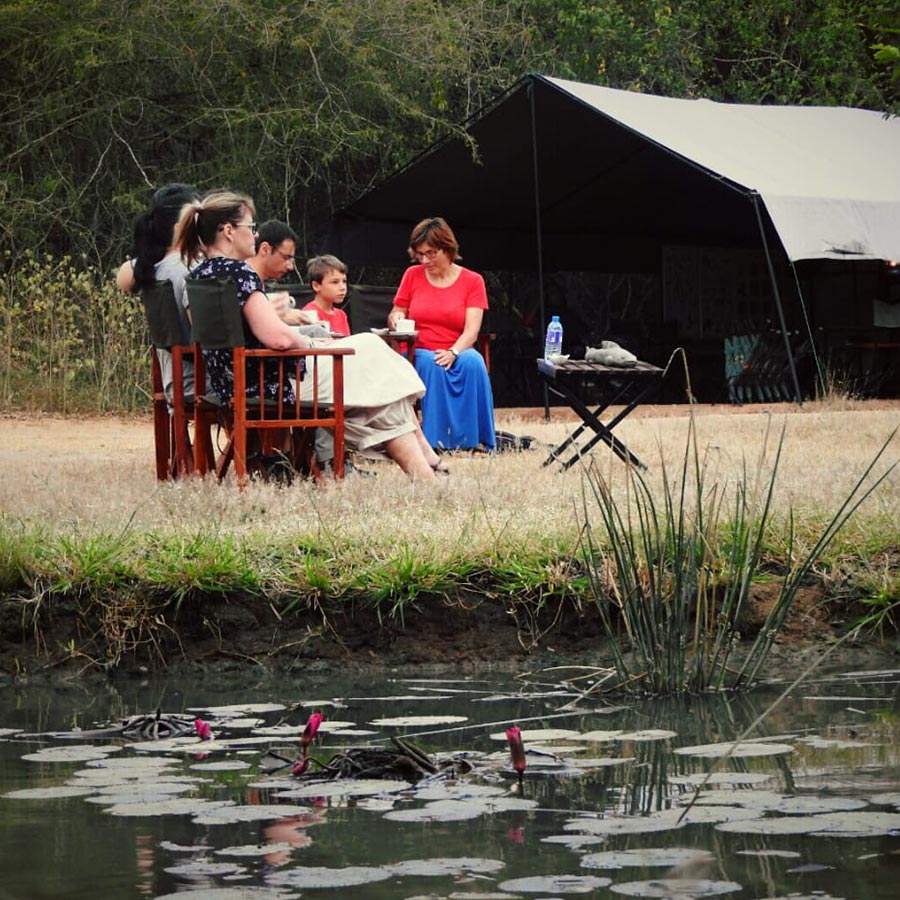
column 674, row 572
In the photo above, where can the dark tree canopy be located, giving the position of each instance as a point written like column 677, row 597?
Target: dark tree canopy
column 306, row 104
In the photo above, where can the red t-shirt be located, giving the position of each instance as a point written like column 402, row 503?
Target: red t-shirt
column 337, row 319
column 439, row 312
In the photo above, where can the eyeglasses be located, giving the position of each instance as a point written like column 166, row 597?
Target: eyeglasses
column 285, row 256
column 425, row 254
column 250, row 225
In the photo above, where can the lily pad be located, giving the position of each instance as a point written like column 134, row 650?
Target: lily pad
column 661, row 821
column 76, row 753
column 819, row 743
column 165, row 788
column 204, row 869
column 555, row 884
column 310, row 877
column 601, row 737
column 251, row 850
column 435, row 868
column 229, row 814
column 231, row 893
column 240, row 722
column 574, row 841
column 48, row 793
column 697, row 814
column 646, row 857
column 737, row 751
column 852, row 824
column 128, row 797
column 222, row 765
column 137, row 766
column 738, row 779
column 647, row 734
column 419, row 721
column 541, row 734
column 752, row 799
column 600, row 762
column 783, row 854
column 400, row 698
column 172, row 847
column 346, row 787
column 439, row 811
column 238, row 709
column 803, row 806
column 689, row 888
column 175, row 806
column 458, row 791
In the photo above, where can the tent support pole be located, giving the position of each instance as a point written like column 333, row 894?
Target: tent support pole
column 784, row 332
column 809, row 332
column 538, row 230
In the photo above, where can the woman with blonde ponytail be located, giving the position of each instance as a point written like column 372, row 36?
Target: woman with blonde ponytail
column 222, row 228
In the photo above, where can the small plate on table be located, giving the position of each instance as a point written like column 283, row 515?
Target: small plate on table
column 381, row 332
column 401, row 335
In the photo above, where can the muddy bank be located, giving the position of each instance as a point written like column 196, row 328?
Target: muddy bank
column 464, row 635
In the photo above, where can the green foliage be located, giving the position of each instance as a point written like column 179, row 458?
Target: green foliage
column 777, row 52
column 305, row 105
column 69, row 342
column 301, row 105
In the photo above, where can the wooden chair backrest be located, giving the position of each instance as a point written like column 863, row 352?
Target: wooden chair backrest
column 166, row 326
column 216, row 317
column 218, row 324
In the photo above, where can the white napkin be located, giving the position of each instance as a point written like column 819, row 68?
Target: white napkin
column 609, row 353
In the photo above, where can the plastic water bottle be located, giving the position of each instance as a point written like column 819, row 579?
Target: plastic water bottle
column 553, row 341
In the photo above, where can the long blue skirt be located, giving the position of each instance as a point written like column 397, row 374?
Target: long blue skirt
column 458, row 406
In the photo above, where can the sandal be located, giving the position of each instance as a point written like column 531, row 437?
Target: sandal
column 441, row 468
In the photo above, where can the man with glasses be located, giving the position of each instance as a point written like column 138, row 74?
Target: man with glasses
column 276, row 245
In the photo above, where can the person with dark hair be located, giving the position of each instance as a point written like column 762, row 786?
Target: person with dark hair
column 327, row 276
column 276, row 248
column 380, row 419
column 156, row 259
column 447, row 303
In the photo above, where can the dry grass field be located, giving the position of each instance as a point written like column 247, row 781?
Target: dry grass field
column 96, row 475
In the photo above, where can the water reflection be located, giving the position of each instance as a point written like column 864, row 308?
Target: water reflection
column 603, row 798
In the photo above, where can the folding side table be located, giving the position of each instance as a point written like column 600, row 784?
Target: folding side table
column 577, row 381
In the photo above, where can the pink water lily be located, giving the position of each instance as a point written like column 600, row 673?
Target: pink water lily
column 300, row 766
column 204, row 732
column 312, row 726
column 516, row 751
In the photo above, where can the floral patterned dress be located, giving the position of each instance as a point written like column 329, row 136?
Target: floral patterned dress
column 219, row 363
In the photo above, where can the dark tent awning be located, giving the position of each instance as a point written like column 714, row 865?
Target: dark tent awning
column 613, row 175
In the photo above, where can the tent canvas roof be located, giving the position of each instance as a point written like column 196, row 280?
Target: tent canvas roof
column 618, row 174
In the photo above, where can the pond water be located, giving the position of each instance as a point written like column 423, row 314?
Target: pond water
column 809, row 806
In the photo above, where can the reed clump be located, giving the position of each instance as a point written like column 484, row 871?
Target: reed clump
column 672, row 567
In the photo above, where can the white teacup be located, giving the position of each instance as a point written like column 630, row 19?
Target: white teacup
column 405, row 326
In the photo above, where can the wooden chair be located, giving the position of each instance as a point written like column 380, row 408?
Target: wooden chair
column 218, row 324
column 171, row 415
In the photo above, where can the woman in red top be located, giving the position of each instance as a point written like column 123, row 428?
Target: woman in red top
column 447, row 303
